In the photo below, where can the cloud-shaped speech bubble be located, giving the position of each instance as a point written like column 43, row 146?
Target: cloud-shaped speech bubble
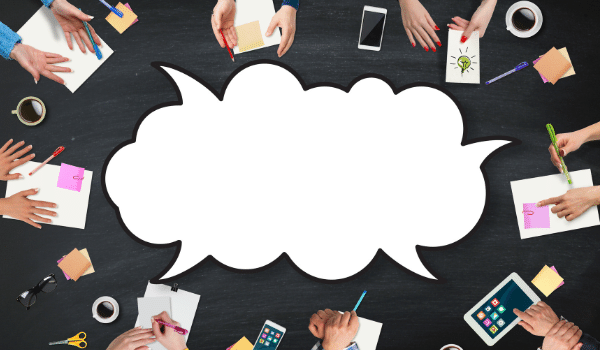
column 328, row 175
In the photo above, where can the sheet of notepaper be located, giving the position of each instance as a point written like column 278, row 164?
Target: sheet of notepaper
column 72, row 206
column 547, row 281
column 70, row 177
column 149, row 307
column 122, row 23
column 536, row 217
column 43, row 32
column 463, row 62
column 249, row 36
column 544, row 187
column 248, row 11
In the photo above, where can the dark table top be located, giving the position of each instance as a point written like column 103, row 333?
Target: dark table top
column 416, row 313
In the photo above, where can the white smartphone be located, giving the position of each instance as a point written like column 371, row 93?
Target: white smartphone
column 270, row 336
column 371, row 28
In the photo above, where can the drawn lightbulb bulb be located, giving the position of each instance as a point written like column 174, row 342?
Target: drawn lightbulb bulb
column 464, row 63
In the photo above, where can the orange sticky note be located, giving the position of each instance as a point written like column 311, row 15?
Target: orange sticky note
column 121, row 24
column 553, row 65
column 75, row 264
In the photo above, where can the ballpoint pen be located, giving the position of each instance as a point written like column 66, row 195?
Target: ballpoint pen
column 554, row 143
column 96, row 49
column 517, row 68
column 114, row 10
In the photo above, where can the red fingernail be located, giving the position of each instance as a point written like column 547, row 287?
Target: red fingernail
column 433, row 48
column 426, row 48
column 439, row 43
column 437, row 28
column 413, row 44
column 463, row 39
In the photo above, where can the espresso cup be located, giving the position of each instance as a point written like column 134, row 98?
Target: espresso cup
column 30, row 111
column 451, row 347
column 105, row 309
column 524, row 19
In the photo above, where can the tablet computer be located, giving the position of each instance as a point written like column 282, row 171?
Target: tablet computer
column 493, row 316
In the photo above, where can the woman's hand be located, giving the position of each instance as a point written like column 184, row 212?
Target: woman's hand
column 538, row 319
column 285, row 18
column 70, row 19
column 479, row 21
column 8, row 159
column 567, row 143
column 168, row 338
column 38, row 63
column 20, row 207
column 222, row 20
column 573, row 203
column 133, row 339
column 419, row 25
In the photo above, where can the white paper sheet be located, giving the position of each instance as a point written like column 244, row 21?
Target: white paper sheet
column 544, row 187
column 459, row 53
column 257, row 10
column 43, row 32
column 183, row 307
column 152, row 306
column 72, row 205
column 367, row 336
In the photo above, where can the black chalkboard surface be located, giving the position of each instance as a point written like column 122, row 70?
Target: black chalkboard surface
column 416, row 313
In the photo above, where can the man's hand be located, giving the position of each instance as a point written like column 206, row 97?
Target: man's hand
column 222, row 19
column 538, row 319
column 285, row 18
column 340, row 330
column 318, row 321
column 563, row 336
column 134, row 339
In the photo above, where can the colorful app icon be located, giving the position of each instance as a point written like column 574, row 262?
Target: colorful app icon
column 487, row 322
column 261, row 341
column 274, row 341
column 494, row 316
column 481, row 315
column 266, row 330
column 264, row 335
column 277, row 335
column 267, row 343
column 270, row 338
column 501, row 309
column 272, row 332
column 488, row 308
column 501, row 323
column 495, row 302
column 493, row 329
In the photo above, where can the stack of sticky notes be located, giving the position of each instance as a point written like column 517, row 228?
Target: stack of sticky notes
column 554, row 65
column 76, row 264
column 122, row 23
column 242, row 344
column 548, row 280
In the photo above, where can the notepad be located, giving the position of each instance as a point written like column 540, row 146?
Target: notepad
column 462, row 60
column 121, row 23
column 249, row 36
column 74, row 264
column 72, row 205
column 87, row 256
column 129, row 7
column 561, row 283
column 544, row 187
column 552, row 65
column 43, row 32
column 183, row 307
column 367, row 336
column 535, row 217
column 565, row 54
column 547, row 281
column 242, row 344
column 70, row 177
column 248, row 11
column 152, row 306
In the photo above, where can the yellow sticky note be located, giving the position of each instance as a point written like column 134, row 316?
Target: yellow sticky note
column 242, row 344
column 121, row 24
column 547, row 280
column 249, row 36
column 571, row 70
column 87, row 256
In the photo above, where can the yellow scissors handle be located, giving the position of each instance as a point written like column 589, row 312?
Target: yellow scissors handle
column 82, row 344
column 78, row 336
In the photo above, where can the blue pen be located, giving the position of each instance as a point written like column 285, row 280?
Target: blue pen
column 96, row 49
column 360, row 300
column 519, row 67
column 114, row 10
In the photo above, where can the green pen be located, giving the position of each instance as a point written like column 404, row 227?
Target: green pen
column 562, row 162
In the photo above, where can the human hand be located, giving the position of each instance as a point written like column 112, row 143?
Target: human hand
column 133, row 339
column 37, row 62
column 479, row 21
column 169, row 338
column 222, row 19
column 419, row 25
column 70, row 19
column 285, row 18
column 340, row 330
column 567, row 143
column 20, row 207
column 9, row 159
column 563, row 336
column 573, row 203
column 538, row 319
column 318, row 321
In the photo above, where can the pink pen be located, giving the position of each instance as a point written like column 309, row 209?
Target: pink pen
column 175, row 328
column 57, row 152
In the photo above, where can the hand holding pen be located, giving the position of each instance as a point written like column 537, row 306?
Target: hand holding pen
column 167, row 336
column 70, row 19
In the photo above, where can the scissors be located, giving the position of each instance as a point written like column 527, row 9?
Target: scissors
column 77, row 340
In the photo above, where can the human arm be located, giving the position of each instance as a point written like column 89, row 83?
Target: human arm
column 167, row 336
column 134, row 339
column 419, row 25
column 8, row 40
column 335, row 329
column 479, row 21
column 563, row 336
column 573, row 203
column 571, row 141
column 538, row 319
column 71, row 20
column 285, row 19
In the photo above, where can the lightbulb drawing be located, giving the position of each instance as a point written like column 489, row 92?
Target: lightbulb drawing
column 463, row 62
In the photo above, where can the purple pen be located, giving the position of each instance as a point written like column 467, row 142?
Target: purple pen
column 175, row 328
column 114, row 10
column 517, row 68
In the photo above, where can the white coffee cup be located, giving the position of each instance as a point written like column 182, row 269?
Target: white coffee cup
column 526, row 10
column 451, row 347
column 105, row 310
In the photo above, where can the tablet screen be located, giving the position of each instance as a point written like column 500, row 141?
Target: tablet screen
column 497, row 313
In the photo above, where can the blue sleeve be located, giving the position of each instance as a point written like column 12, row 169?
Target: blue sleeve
column 47, row 3
column 589, row 343
column 293, row 3
column 8, row 40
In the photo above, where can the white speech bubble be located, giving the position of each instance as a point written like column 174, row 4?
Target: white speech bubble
column 324, row 175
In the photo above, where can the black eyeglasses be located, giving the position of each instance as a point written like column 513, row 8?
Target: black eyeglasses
column 28, row 297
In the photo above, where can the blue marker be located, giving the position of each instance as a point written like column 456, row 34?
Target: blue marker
column 519, row 67
column 96, row 49
column 114, row 10
column 360, row 300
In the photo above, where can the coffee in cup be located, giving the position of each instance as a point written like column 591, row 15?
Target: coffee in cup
column 30, row 111
column 524, row 19
column 105, row 310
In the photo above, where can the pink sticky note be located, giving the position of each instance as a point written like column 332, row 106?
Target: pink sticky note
column 129, row 7
column 70, row 177
column 561, row 283
column 536, row 217
column 58, row 262
column 534, row 62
